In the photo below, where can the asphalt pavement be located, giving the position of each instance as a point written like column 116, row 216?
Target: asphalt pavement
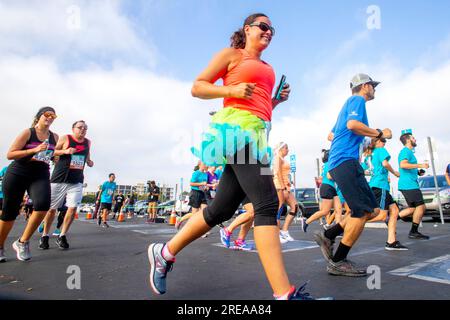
column 112, row 264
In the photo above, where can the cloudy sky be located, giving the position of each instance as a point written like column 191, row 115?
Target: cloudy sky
column 127, row 67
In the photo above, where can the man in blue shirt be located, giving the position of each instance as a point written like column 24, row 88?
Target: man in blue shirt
column 106, row 197
column 351, row 127
column 408, row 184
column 380, row 186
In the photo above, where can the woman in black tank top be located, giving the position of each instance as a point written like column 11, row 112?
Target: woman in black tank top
column 31, row 151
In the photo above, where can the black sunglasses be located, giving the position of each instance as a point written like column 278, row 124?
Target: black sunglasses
column 263, row 26
column 383, row 140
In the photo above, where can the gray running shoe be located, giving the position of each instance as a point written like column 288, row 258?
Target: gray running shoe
column 23, row 250
column 2, row 255
column 345, row 268
column 158, row 268
column 326, row 245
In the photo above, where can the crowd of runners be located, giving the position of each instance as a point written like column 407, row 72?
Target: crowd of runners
column 236, row 167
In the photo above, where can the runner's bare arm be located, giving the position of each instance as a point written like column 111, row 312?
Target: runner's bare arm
column 15, row 152
column 89, row 162
column 404, row 164
column 361, row 129
column 388, row 166
column 204, row 87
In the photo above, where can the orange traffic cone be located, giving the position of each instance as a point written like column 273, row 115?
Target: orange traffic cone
column 89, row 215
column 173, row 218
column 121, row 217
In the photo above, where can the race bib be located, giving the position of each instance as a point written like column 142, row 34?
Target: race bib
column 43, row 156
column 110, row 192
column 77, row 162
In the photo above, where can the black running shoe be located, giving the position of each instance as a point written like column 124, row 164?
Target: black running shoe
column 396, row 245
column 346, row 268
column 43, row 243
column 62, row 242
column 418, row 235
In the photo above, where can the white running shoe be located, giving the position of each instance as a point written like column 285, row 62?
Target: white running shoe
column 282, row 239
column 286, row 235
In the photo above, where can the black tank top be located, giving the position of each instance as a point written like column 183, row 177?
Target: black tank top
column 37, row 165
column 69, row 168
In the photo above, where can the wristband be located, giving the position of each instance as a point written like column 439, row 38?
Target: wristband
column 380, row 133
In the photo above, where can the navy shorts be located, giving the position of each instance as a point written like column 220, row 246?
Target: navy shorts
column 414, row 198
column 327, row 192
column 384, row 198
column 349, row 176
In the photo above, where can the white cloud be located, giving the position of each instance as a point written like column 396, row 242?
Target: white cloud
column 142, row 125
column 51, row 28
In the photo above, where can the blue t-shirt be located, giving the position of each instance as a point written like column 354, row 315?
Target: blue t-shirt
column 380, row 173
column 218, row 173
column 2, row 175
column 108, row 189
column 198, row 177
column 408, row 177
column 346, row 144
column 324, row 176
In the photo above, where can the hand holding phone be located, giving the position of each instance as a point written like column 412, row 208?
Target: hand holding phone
column 280, row 87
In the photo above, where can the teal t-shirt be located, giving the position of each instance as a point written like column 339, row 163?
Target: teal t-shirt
column 367, row 165
column 380, row 174
column 198, row 177
column 2, row 175
column 408, row 177
column 108, row 189
column 325, row 179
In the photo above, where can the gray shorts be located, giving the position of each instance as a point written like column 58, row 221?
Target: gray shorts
column 72, row 192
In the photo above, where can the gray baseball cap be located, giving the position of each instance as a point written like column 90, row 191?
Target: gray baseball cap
column 362, row 78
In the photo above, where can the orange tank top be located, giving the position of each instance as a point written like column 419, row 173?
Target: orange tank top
column 251, row 70
column 285, row 170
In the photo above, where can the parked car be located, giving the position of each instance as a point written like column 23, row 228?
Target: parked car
column 182, row 206
column 140, row 207
column 165, row 208
column 427, row 186
column 86, row 207
column 307, row 201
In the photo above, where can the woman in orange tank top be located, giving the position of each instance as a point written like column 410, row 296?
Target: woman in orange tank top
column 248, row 105
column 281, row 179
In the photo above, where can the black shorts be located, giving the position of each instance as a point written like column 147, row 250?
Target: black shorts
column 1, row 204
column 349, row 176
column 105, row 205
column 14, row 187
column 383, row 197
column 197, row 198
column 414, row 198
column 327, row 192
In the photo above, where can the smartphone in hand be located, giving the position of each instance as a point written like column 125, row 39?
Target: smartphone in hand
column 280, row 87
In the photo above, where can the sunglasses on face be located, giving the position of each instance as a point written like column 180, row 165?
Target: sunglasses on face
column 82, row 128
column 383, row 140
column 49, row 114
column 264, row 27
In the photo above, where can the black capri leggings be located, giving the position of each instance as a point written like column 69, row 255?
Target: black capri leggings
column 14, row 187
column 237, row 182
